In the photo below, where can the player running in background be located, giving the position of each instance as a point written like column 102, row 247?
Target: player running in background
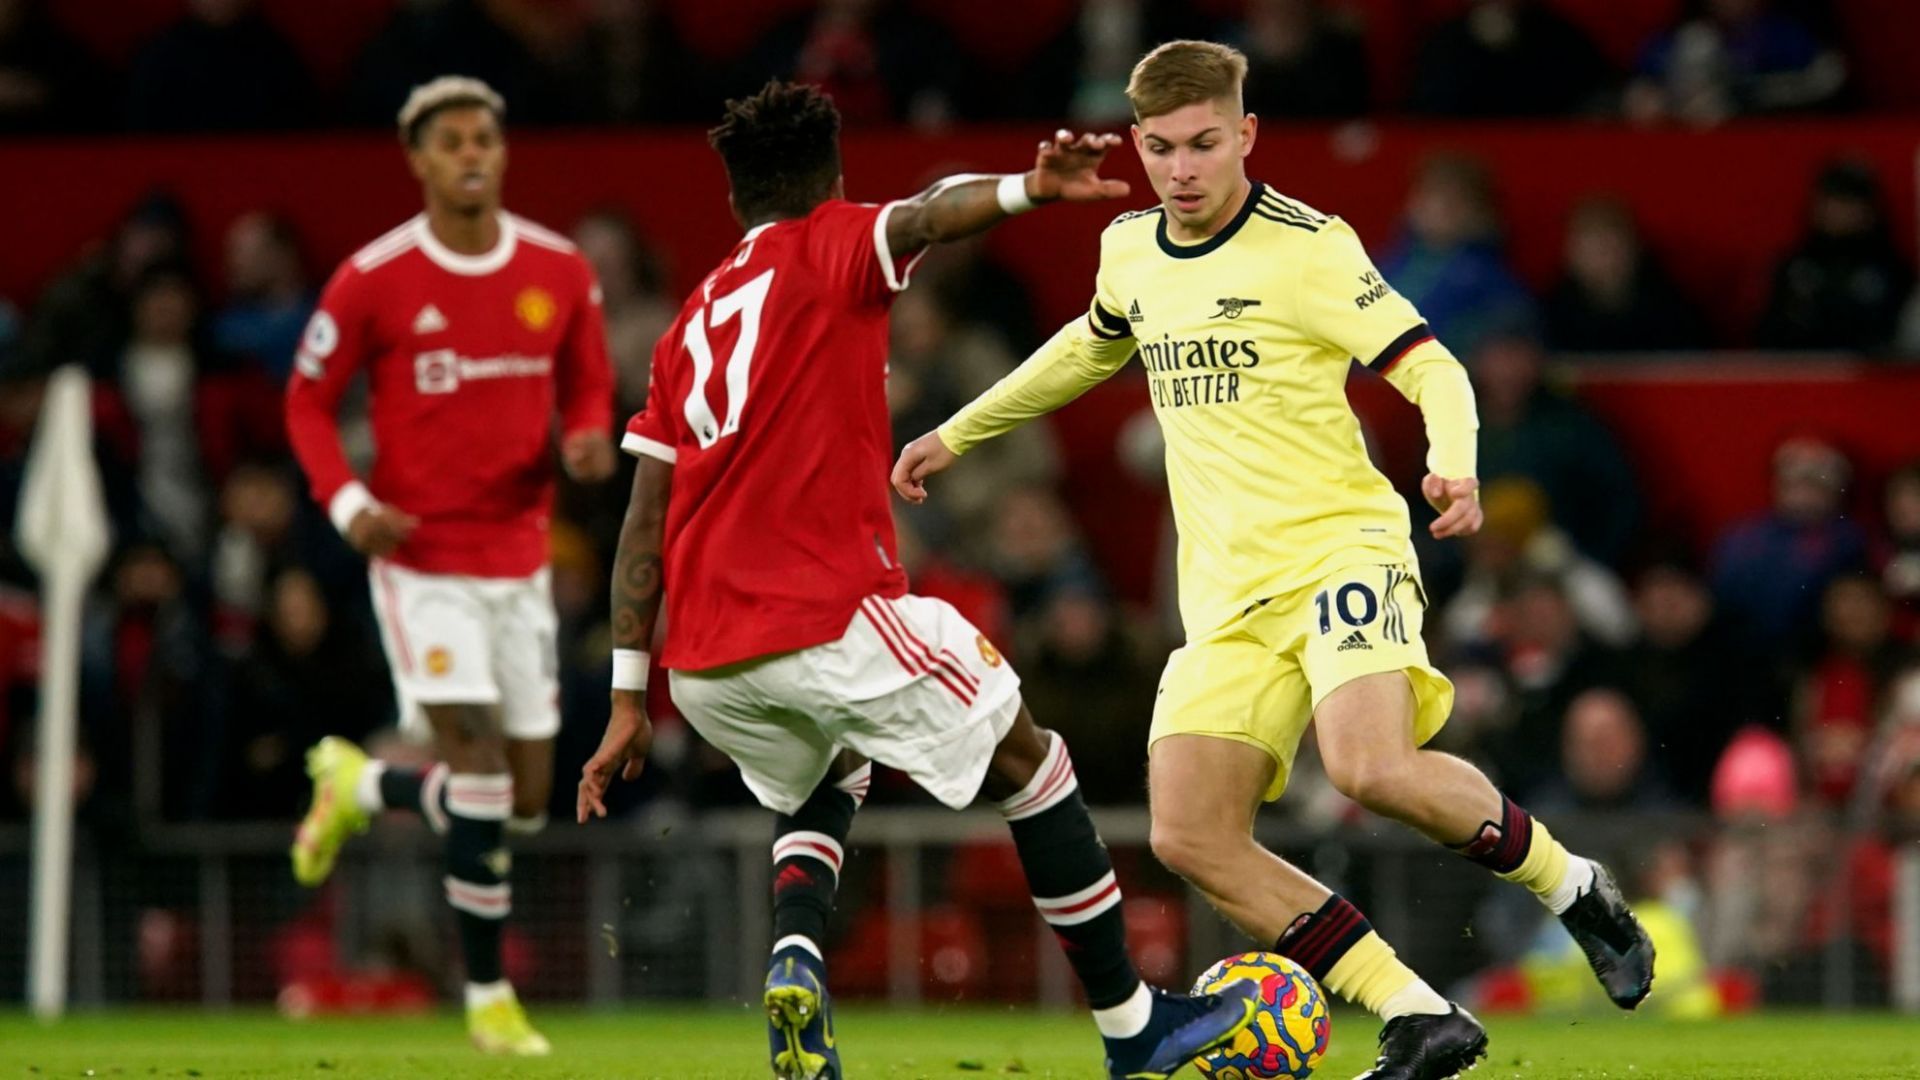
column 474, row 327
column 1298, row 584
column 760, row 506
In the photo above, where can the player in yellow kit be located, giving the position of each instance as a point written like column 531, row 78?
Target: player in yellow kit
column 1299, row 588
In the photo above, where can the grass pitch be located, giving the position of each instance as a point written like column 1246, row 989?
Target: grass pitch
column 936, row 1044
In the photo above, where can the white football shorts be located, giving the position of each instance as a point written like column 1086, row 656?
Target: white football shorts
column 456, row 640
column 911, row 684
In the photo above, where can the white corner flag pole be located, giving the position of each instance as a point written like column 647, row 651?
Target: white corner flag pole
column 63, row 532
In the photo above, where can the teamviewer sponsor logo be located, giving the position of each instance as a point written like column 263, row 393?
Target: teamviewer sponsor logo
column 442, row 371
column 437, row 372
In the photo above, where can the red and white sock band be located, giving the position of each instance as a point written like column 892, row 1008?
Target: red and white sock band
column 1050, row 785
column 1084, row 906
column 432, row 790
column 486, row 901
column 812, row 845
column 480, row 796
column 856, row 783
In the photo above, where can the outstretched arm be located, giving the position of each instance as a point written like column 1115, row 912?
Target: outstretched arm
column 637, row 589
column 1074, row 360
column 1066, row 169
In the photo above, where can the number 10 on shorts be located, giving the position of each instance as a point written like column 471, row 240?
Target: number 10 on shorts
column 1355, row 602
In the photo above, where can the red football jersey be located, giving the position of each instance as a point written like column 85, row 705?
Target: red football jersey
column 467, row 359
column 769, row 397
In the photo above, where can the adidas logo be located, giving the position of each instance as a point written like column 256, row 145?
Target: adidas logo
column 1133, row 313
column 429, row 321
column 499, row 860
column 1355, row 640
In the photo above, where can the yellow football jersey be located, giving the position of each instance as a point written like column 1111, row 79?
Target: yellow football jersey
column 1247, row 338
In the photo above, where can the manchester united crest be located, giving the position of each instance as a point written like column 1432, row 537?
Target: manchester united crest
column 535, row 308
column 987, row 652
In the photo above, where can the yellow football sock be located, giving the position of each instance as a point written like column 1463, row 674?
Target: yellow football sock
column 1545, row 865
column 1369, row 974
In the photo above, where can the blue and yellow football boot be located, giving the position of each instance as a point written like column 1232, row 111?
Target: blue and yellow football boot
column 1181, row 1029
column 800, row 1018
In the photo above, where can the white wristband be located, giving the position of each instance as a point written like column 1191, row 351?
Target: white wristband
column 347, row 503
column 1012, row 193
column 630, row 669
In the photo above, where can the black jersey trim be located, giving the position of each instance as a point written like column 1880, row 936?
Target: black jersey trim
column 1108, row 324
column 1278, row 202
column 1211, row 243
column 1287, row 220
column 1275, row 208
column 1400, row 347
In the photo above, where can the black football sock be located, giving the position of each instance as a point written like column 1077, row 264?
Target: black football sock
column 807, row 853
column 1073, row 885
column 477, row 807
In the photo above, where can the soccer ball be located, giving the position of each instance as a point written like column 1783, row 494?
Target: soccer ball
column 1291, row 1025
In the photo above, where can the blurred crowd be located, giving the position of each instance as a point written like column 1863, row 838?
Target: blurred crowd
column 1845, row 285
column 229, row 65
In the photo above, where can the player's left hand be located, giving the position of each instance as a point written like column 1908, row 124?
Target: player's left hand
column 1068, row 168
column 623, row 749
column 588, row 456
column 1458, row 502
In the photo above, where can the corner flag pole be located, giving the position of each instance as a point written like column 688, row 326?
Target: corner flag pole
column 63, row 532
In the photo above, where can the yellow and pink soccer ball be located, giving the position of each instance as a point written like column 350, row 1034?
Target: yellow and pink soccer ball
column 1291, row 1025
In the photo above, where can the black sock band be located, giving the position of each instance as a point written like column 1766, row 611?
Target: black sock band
column 1501, row 847
column 1318, row 940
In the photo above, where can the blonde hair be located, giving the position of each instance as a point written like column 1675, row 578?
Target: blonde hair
column 1181, row 73
column 446, row 92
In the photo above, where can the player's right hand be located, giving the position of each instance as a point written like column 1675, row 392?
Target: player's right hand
column 1067, row 167
column 588, row 456
column 922, row 458
column 1458, row 503
column 623, row 749
column 376, row 531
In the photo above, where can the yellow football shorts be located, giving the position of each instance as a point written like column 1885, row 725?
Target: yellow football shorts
column 1259, row 679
